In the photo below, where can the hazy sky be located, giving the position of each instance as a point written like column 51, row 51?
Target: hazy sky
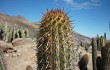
column 90, row 17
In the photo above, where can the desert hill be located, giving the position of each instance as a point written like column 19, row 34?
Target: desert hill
column 19, row 21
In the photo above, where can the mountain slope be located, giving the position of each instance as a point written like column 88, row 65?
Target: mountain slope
column 81, row 38
column 19, row 21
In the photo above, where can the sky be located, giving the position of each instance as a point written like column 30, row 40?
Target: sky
column 89, row 17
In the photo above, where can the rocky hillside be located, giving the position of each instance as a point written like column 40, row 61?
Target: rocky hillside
column 20, row 22
column 33, row 26
column 81, row 38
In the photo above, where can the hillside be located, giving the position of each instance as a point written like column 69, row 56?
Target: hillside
column 81, row 38
column 19, row 21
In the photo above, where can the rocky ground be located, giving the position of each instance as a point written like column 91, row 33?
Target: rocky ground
column 21, row 54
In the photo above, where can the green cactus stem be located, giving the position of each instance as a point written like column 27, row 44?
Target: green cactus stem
column 55, row 41
column 94, row 53
column 105, row 53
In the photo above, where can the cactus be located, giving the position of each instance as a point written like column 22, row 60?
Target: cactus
column 98, row 43
column 2, row 63
column 1, row 32
column 29, row 68
column 22, row 33
column 86, row 47
column 105, row 53
column 83, row 62
column 103, row 41
column 105, row 36
column 99, row 63
column 26, row 33
column 8, row 33
column 94, row 53
column 18, row 35
column 55, row 41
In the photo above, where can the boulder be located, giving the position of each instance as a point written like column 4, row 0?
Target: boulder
column 4, row 46
column 22, row 41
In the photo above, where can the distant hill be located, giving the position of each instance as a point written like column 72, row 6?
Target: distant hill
column 81, row 38
column 33, row 26
column 20, row 22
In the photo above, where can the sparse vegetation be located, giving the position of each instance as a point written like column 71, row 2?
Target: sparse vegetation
column 8, row 33
column 101, row 46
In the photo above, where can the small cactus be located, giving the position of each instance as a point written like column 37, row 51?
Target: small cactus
column 29, row 68
column 83, row 62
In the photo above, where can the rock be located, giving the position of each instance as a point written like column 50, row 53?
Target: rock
column 14, row 55
column 4, row 46
column 18, row 54
column 23, row 55
column 22, row 41
column 6, row 55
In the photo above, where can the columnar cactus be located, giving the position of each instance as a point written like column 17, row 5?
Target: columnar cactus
column 105, row 36
column 22, row 33
column 55, row 42
column 26, row 32
column 94, row 53
column 2, row 64
column 8, row 33
column 105, row 53
column 98, row 43
column 1, row 32
column 99, row 63
column 103, row 41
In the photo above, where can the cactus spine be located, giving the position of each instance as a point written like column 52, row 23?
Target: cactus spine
column 94, row 53
column 55, row 41
column 105, row 53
